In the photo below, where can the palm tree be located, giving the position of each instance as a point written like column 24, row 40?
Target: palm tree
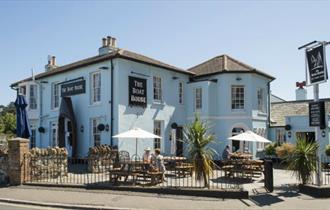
column 303, row 160
column 198, row 139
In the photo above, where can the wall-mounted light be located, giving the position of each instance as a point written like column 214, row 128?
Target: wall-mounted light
column 323, row 133
column 107, row 127
column 82, row 128
column 289, row 134
column 238, row 78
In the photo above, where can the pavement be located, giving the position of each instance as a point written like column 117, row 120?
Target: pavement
column 285, row 196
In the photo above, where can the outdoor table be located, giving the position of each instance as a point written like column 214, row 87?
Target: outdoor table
column 241, row 156
column 171, row 161
column 184, row 169
column 128, row 168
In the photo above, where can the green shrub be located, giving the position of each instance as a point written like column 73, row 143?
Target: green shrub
column 327, row 150
column 285, row 150
column 302, row 161
column 270, row 149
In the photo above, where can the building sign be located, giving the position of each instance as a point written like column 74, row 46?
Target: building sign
column 73, row 88
column 137, row 92
column 317, row 114
column 316, row 64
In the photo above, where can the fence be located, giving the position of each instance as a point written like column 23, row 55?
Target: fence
column 325, row 171
column 124, row 171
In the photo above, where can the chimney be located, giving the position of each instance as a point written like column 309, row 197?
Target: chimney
column 108, row 45
column 301, row 92
column 51, row 63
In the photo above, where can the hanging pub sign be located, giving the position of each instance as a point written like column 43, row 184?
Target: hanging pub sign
column 316, row 64
column 317, row 114
column 73, row 88
column 137, row 91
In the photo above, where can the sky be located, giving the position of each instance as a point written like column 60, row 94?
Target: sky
column 263, row 34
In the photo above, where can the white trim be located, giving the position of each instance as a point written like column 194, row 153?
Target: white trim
column 91, row 88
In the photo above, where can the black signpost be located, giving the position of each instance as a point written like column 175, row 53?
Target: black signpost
column 316, row 64
column 317, row 114
column 137, row 92
column 317, row 70
column 73, row 88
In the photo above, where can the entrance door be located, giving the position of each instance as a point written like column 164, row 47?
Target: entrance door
column 236, row 145
column 179, row 141
column 68, row 136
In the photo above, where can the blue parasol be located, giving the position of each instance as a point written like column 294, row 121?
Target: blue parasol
column 22, row 123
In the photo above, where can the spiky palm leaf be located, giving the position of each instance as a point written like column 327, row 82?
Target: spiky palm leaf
column 303, row 160
column 198, row 140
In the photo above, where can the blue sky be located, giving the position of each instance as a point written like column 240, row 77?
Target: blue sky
column 264, row 34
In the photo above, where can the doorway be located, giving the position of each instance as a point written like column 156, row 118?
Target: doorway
column 236, row 145
column 179, row 141
column 68, row 136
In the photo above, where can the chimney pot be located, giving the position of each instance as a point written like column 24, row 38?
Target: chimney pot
column 104, row 42
column 109, row 41
column 114, row 42
column 53, row 61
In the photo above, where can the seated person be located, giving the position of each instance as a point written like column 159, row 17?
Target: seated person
column 226, row 153
column 147, row 156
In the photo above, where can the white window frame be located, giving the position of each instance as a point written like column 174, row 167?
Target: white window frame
column 95, row 133
column 158, row 130
column 95, row 89
column 198, row 98
column 56, row 95
column 33, row 96
column 22, row 90
column 181, row 94
column 157, row 89
column 54, row 134
column 261, row 99
column 236, row 98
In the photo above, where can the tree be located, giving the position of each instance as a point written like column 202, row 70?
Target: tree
column 303, row 160
column 8, row 121
column 198, row 140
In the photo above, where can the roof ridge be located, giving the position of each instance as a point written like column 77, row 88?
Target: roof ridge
column 218, row 56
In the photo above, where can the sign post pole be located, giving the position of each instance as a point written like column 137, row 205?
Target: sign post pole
column 318, row 138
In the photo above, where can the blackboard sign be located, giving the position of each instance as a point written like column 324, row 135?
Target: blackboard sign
column 317, row 114
column 137, row 92
column 316, row 64
column 73, row 88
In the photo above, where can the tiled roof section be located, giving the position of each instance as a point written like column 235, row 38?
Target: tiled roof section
column 224, row 64
column 280, row 110
column 120, row 53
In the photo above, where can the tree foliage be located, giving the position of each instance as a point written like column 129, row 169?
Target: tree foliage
column 8, row 119
column 198, row 139
column 303, row 160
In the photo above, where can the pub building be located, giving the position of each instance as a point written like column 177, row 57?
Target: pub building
column 85, row 103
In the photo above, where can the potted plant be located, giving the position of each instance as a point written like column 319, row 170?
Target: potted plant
column 302, row 161
column 198, row 140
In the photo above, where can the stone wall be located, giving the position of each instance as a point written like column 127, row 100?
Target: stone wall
column 47, row 163
column 100, row 158
column 4, row 179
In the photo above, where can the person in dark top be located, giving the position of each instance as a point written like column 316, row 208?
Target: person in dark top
column 226, row 153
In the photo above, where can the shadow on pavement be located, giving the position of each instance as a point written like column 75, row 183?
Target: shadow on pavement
column 263, row 198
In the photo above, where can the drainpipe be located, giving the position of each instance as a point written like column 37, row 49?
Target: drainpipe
column 268, row 114
column 111, row 99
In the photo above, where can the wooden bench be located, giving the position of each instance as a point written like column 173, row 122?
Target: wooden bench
column 183, row 170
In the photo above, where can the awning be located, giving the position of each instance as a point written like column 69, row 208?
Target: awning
column 66, row 112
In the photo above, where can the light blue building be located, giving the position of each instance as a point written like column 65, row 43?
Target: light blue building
column 85, row 103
